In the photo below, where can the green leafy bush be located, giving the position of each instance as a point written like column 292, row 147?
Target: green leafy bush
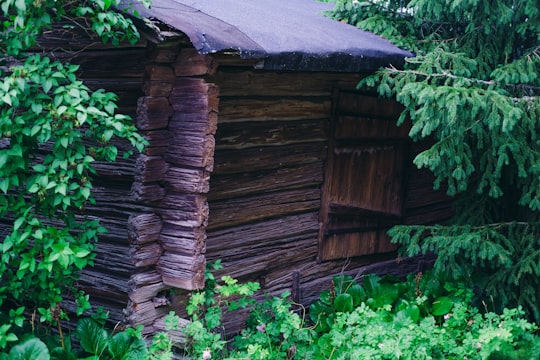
column 52, row 130
column 424, row 317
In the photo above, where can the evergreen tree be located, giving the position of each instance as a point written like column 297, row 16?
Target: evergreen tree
column 473, row 90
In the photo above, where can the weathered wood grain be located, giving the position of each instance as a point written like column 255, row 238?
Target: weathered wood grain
column 247, row 183
column 270, row 133
column 242, row 82
column 181, row 271
column 270, row 157
column 240, row 109
column 241, row 210
column 153, row 113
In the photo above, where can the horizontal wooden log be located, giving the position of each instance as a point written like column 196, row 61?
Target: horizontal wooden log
column 145, row 313
column 260, row 233
column 147, row 193
column 234, row 185
column 202, row 123
column 350, row 103
column 150, row 168
column 236, row 109
column 113, row 63
column 144, row 228
column 112, row 287
column 247, row 209
column 181, row 271
column 190, row 63
column 187, row 210
column 192, row 150
column 158, row 72
column 271, row 133
column 117, row 85
column 269, row 157
column 194, row 95
column 145, row 255
column 121, row 170
column 184, row 241
column 141, row 279
column 239, row 82
column 157, row 88
column 114, row 260
column 64, row 35
column 191, row 181
column 146, row 293
column 153, row 113
column 288, row 253
column 159, row 54
column 158, row 141
column 316, row 277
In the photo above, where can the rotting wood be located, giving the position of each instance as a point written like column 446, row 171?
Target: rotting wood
column 150, row 168
column 183, row 242
column 152, row 113
column 191, row 181
column 181, row 271
column 147, row 193
column 144, row 228
column 158, row 142
column 145, row 255
column 188, row 210
column 161, row 88
column 204, row 123
column 147, row 292
column 197, row 151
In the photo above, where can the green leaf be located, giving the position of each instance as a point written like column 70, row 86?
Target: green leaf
column 344, row 303
column 31, row 349
column 442, row 306
column 94, row 339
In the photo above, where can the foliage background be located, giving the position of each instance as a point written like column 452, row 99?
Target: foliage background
column 472, row 90
column 52, row 129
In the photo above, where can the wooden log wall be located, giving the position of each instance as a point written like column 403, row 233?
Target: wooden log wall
column 153, row 204
column 265, row 190
column 120, row 70
column 178, row 116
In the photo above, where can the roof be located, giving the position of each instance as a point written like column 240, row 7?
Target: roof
column 290, row 35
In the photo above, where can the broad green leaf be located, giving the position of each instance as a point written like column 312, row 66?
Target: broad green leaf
column 343, row 303
column 442, row 306
column 31, row 349
column 94, row 339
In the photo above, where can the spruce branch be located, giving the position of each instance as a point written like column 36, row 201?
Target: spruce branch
column 488, row 83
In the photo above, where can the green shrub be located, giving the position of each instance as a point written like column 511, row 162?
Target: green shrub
column 382, row 318
column 422, row 318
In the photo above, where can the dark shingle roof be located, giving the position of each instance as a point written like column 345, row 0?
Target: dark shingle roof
column 289, row 35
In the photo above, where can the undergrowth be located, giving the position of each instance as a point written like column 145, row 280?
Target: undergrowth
column 421, row 317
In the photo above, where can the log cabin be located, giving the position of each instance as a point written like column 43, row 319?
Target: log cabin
column 262, row 153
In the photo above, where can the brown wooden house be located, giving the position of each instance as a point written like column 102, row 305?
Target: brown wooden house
column 261, row 153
